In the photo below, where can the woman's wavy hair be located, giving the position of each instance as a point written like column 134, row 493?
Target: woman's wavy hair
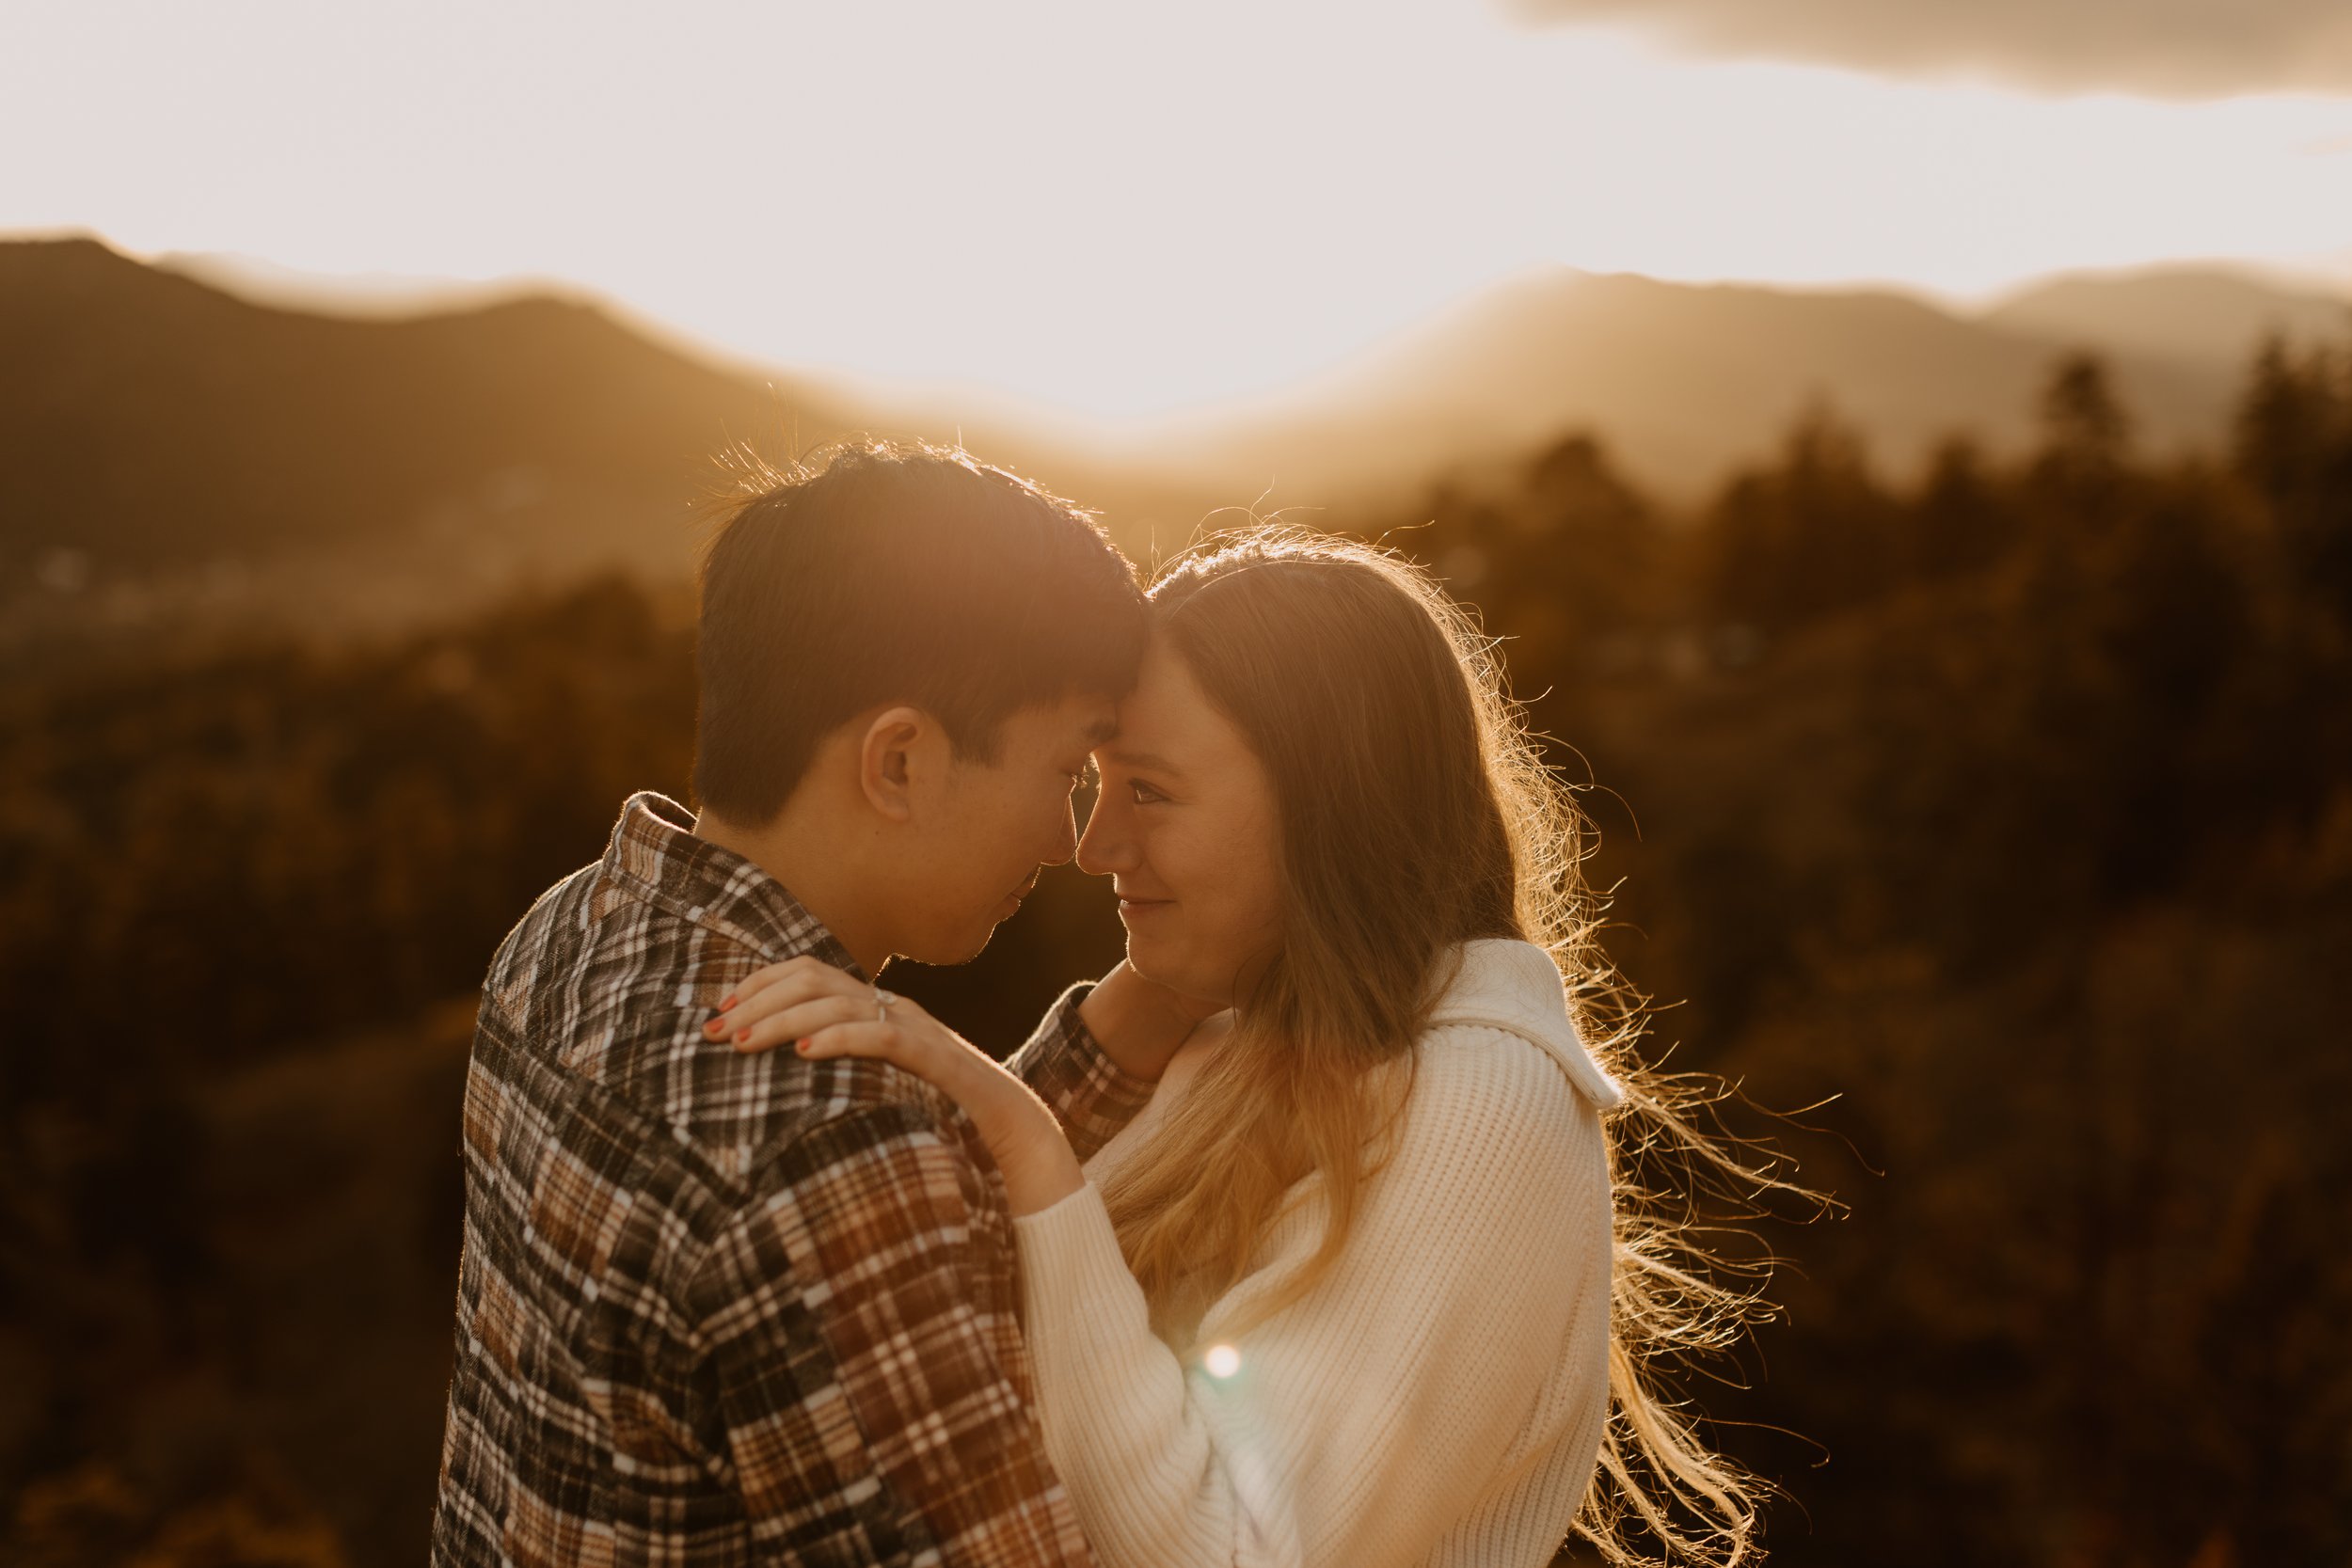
column 1416, row 812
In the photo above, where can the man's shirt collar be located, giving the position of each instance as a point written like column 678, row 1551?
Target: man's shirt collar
column 655, row 851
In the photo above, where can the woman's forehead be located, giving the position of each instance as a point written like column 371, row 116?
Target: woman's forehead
column 1168, row 718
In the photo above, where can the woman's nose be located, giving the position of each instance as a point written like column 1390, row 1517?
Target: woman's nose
column 1105, row 848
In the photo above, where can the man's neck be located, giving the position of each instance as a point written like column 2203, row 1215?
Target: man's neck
column 806, row 859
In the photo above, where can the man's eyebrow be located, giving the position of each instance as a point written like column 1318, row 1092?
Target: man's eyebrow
column 1100, row 731
column 1145, row 762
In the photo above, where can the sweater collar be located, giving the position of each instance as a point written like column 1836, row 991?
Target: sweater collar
column 1514, row 986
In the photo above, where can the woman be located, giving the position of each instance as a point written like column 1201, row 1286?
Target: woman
column 1365, row 1282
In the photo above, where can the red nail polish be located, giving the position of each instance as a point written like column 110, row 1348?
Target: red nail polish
column 800, row 1046
column 725, row 1004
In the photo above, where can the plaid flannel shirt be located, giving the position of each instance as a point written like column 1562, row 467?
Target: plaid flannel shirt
column 720, row 1308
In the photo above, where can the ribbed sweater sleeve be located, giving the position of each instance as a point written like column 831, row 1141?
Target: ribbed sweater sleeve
column 1366, row 1421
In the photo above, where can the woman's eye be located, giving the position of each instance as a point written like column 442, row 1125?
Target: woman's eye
column 1144, row 794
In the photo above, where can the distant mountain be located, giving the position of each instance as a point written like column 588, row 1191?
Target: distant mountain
column 1684, row 382
column 2215, row 319
column 147, row 418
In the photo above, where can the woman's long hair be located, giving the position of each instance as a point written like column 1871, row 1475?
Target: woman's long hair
column 1416, row 813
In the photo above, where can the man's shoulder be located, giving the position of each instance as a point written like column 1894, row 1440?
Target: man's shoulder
column 611, row 989
column 820, row 1120
column 521, row 953
column 634, row 1031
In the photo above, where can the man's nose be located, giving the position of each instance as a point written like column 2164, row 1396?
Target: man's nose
column 1065, row 838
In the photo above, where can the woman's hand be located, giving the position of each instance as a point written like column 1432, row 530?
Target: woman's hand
column 1141, row 1022
column 823, row 1012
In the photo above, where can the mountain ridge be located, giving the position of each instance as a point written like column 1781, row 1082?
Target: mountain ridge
column 153, row 423
column 1684, row 382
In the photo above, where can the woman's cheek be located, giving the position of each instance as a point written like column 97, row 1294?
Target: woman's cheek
column 1153, row 853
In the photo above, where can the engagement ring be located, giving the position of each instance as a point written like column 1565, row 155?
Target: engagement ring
column 883, row 999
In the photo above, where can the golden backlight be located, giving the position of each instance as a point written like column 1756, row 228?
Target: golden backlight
column 1952, row 663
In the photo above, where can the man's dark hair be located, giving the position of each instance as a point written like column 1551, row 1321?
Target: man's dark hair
column 895, row 573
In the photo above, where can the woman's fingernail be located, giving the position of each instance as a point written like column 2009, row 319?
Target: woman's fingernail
column 726, row 1003
column 800, row 1046
column 742, row 1035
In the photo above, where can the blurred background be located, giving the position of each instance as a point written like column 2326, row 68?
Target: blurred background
column 1907, row 449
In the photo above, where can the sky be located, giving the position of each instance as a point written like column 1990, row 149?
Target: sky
column 1127, row 211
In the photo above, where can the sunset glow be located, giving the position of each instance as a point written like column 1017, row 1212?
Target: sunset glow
column 1116, row 211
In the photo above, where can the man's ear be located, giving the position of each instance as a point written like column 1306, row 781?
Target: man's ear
column 890, row 754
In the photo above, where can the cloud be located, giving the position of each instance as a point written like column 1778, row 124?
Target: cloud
column 2161, row 48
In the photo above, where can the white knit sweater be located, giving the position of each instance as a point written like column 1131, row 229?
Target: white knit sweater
column 1437, row 1398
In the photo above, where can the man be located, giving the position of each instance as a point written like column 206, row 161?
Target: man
column 724, row 1308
